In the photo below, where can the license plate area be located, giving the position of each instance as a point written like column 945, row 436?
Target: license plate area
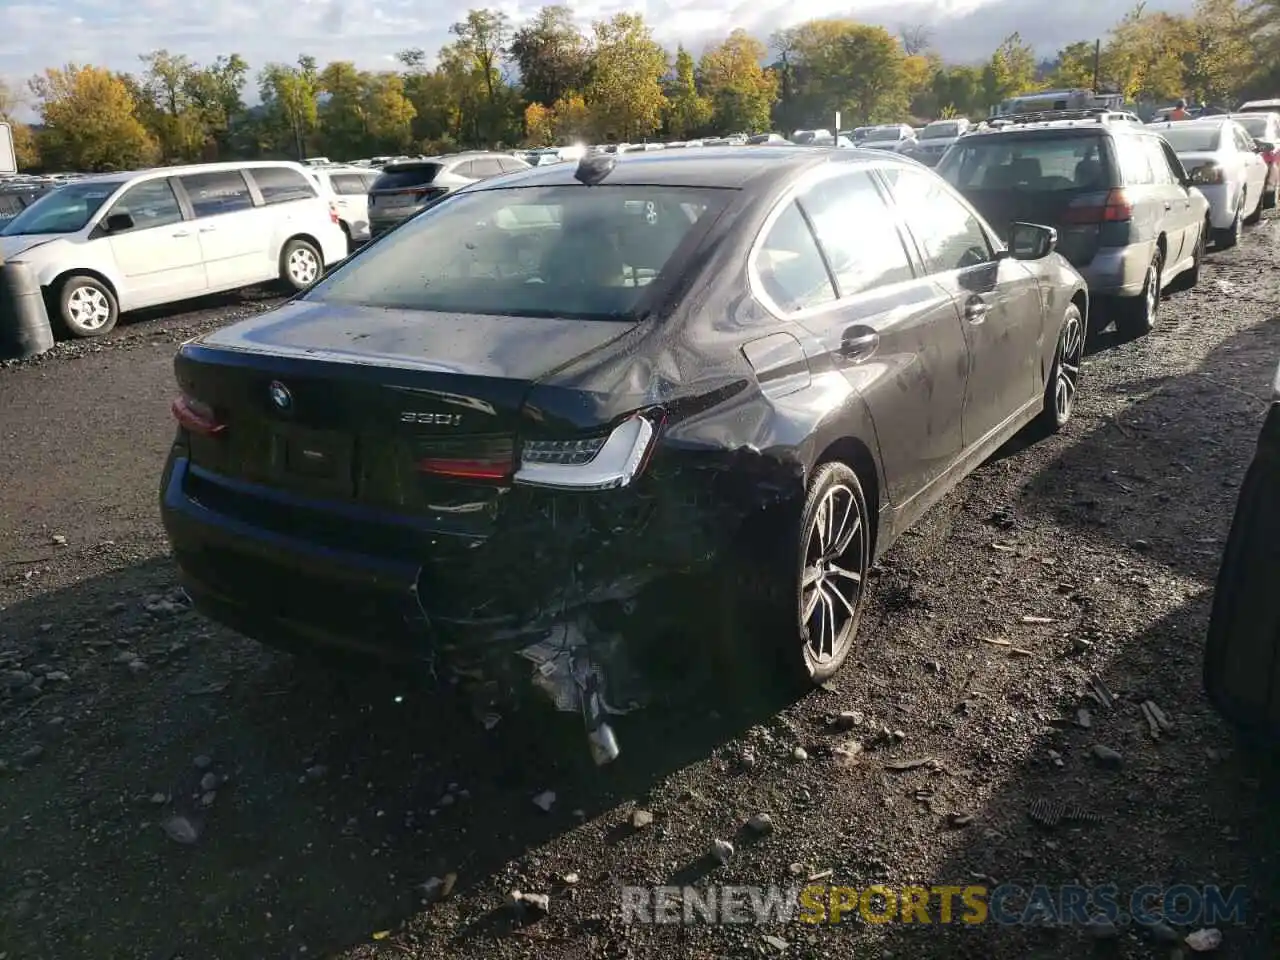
column 314, row 461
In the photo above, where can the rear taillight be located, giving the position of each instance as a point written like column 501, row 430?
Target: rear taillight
column 597, row 463
column 333, row 213
column 197, row 417
column 479, row 458
column 1270, row 156
column 1208, row 174
column 426, row 193
column 1112, row 207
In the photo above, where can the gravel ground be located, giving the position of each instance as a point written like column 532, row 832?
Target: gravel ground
column 171, row 790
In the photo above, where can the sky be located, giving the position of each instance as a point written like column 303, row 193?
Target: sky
column 35, row 34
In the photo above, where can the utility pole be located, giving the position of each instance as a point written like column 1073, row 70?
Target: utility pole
column 1097, row 62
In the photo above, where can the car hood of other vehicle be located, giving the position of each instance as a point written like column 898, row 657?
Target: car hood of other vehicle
column 11, row 247
column 517, row 348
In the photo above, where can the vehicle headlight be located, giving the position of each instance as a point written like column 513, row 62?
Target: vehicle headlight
column 597, row 463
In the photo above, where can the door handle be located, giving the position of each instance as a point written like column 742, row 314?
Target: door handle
column 181, row 233
column 208, row 229
column 858, row 343
column 976, row 310
column 1168, row 205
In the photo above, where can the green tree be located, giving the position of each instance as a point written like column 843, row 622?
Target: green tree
column 1145, row 55
column 625, row 93
column 1011, row 70
column 90, row 121
column 1074, row 67
column 216, row 92
column 742, row 93
column 1218, row 59
column 290, row 94
column 166, row 107
column 688, row 111
column 390, row 113
column 482, row 42
column 551, row 54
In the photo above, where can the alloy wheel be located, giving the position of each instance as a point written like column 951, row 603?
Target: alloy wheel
column 832, row 578
column 88, row 308
column 302, row 266
column 1153, row 290
column 1064, row 396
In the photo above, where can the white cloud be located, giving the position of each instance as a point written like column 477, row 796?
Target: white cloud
column 35, row 34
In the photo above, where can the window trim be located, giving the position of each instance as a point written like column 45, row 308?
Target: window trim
column 250, row 174
column 755, row 283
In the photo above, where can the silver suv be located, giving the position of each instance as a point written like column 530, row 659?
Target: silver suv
column 407, row 187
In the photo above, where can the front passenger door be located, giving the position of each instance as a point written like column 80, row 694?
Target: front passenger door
column 159, row 256
column 998, row 298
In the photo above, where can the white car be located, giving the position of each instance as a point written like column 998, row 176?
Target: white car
column 123, row 241
column 347, row 188
column 890, row 136
column 1222, row 161
column 936, row 137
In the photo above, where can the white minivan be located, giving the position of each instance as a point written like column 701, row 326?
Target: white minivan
column 122, row 241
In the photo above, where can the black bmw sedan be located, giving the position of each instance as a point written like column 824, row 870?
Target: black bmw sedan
column 555, row 393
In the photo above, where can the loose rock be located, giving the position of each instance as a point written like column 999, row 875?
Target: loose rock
column 180, row 830
column 209, row 782
column 800, row 754
column 31, row 755
column 545, row 800
column 848, row 720
column 1106, row 757
column 202, row 762
column 722, row 851
column 1205, row 940
column 761, row 823
column 640, row 819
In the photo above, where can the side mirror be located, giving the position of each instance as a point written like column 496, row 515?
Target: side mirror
column 1031, row 241
column 119, row 222
column 1264, row 146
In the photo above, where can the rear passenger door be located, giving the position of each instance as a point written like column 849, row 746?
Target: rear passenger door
column 1154, row 209
column 835, row 260
column 997, row 297
column 227, row 223
column 1181, row 214
column 287, row 203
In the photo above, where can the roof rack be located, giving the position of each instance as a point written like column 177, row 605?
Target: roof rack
column 1098, row 114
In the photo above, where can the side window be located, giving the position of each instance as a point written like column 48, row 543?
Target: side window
column 465, row 170
column 488, row 167
column 1171, row 159
column 215, row 193
column 150, row 203
column 348, row 184
column 510, row 166
column 369, row 180
column 1135, row 167
column 857, row 231
column 790, row 266
column 1161, row 173
column 281, row 185
column 1245, row 141
column 950, row 236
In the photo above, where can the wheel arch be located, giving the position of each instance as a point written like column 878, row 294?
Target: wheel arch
column 54, row 286
column 857, row 456
column 306, row 238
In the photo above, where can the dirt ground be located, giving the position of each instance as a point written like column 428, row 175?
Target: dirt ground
column 314, row 807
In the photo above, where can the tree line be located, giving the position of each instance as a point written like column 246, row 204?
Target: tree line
column 546, row 81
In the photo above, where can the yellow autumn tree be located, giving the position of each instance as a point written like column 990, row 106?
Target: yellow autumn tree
column 539, row 125
column 90, row 121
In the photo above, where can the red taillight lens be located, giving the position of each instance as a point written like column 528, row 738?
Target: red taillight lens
column 1270, row 156
column 462, row 469
column 484, row 459
column 333, row 214
column 1115, row 207
column 196, row 417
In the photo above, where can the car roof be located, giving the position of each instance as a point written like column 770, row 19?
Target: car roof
column 186, row 170
column 726, row 167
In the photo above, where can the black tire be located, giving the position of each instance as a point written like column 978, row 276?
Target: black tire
column 835, row 510
column 1189, row 279
column 86, row 306
column 1254, row 217
column 1137, row 316
column 1228, row 238
column 1063, row 382
column 301, row 264
column 1269, row 198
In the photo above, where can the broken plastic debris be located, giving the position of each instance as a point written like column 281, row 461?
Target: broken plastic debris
column 1205, row 940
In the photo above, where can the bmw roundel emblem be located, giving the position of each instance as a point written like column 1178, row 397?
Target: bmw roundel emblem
column 281, row 398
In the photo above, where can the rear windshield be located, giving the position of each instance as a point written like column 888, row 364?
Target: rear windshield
column 940, row 130
column 1191, row 139
column 567, row 251
column 885, row 133
column 1256, row 125
column 401, row 177
column 64, row 209
column 1029, row 164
